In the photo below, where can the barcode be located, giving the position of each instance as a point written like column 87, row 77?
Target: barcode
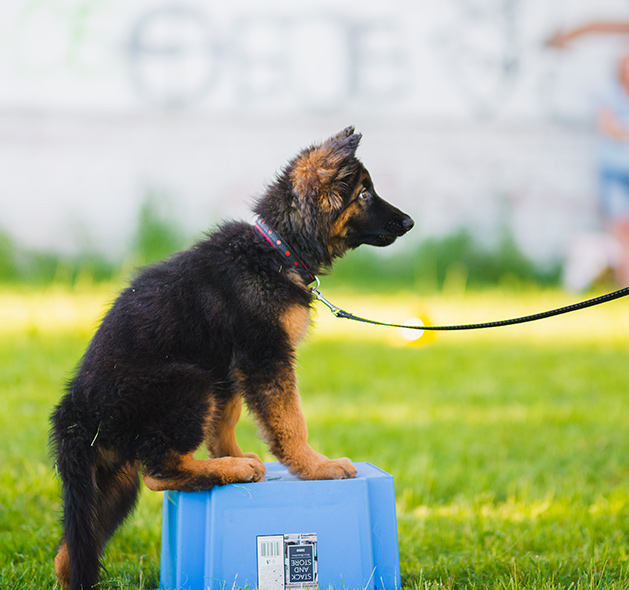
column 270, row 548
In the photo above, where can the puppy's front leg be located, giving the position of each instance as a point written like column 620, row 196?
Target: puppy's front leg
column 278, row 410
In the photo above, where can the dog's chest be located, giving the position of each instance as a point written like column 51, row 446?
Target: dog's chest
column 295, row 322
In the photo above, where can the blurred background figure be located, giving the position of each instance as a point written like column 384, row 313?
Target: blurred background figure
column 613, row 126
column 563, row 38
column 589, row 254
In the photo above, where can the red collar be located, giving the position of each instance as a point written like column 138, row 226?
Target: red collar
column 273, row 238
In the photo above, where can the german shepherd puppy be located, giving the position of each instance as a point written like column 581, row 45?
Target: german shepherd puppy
column 193, row 336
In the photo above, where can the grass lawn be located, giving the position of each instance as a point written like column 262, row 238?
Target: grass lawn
column 509, row 447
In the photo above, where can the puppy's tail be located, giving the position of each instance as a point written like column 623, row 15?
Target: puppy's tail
column 98, row 493
column 77, row 563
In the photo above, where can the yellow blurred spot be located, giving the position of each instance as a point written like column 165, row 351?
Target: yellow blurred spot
column 411, row 334
column 414, row 337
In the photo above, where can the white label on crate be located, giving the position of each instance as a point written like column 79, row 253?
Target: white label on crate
column 271, row 562
column 288, row 562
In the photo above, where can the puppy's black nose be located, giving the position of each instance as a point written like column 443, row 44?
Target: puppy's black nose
column 407, row 223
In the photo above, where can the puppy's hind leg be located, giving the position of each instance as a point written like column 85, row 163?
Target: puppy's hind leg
column 122, row 483
column 187, row 474
column 168, row 446
column 220, row 432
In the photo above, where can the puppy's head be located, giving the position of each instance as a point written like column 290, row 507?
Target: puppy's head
column 326, row 202
column 366, row 218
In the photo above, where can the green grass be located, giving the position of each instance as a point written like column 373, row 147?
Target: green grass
column 509, row 448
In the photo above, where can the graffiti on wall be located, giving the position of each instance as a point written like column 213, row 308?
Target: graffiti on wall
column 183, row 54
column 178, row 56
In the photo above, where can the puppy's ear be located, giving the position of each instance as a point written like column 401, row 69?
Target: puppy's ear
column 345, row 133
column 346, row 140
column 317, row 171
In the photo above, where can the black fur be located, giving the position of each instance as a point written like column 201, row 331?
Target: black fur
column 192, row 332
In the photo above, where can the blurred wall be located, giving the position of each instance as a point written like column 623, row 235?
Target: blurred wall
column 468, row 118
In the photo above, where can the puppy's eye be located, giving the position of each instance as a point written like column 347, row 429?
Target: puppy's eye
column 363, row 194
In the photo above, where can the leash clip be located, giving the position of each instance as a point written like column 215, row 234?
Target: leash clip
column 319, row 296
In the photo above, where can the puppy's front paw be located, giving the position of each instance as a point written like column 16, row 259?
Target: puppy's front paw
column 260, row 465
column 243, row 470
column 331, row 469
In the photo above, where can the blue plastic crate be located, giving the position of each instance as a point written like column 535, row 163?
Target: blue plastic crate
column 210, row 539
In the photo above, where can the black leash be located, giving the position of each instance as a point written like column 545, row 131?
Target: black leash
column 293, row 260
column 339, row 313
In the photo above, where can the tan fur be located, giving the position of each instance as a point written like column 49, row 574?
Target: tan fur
column 338, row 232
column 314, row 176
column 125, row 480
column 62, row 566
column 188, row 474
column 295, row 322
column 220, row 438
column 283, row 424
